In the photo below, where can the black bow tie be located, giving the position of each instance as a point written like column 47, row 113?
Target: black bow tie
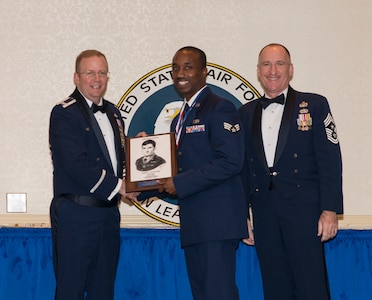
column 265, row 102
column 101, row 108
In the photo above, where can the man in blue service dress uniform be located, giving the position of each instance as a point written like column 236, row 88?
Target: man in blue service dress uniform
column 293, row 179
column 213, row 213
column 87, row 146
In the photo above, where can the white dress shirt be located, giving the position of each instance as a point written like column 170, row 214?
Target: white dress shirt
column 108, row 135
column 270, row 125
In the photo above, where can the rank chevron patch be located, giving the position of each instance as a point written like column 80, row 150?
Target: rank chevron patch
column 330, row 128
column 232, row 128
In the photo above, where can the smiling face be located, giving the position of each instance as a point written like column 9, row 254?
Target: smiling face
column 94, row 87
column 274, row 70
column 189, row 76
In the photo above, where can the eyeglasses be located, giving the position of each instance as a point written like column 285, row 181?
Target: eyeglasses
column 92, row 74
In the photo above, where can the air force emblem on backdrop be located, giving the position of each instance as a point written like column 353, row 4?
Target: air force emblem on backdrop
column 152, row 102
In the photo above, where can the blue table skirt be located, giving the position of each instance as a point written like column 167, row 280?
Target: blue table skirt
column 152, row 266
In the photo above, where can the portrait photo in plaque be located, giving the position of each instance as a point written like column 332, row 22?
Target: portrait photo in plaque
column 148, row 159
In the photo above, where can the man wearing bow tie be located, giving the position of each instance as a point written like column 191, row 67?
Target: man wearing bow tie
column 87, row 145
column 293, row 180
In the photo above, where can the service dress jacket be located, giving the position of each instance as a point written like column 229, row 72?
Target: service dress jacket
column 208, row 184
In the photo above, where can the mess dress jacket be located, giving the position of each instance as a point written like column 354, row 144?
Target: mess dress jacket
column 82, row 164
column 307, row 156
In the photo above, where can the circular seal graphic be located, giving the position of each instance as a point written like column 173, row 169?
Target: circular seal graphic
column 152, row 102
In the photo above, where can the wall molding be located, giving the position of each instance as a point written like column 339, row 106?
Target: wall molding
column 142, row 221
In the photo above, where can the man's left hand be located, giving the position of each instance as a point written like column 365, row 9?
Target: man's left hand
column 327, row 225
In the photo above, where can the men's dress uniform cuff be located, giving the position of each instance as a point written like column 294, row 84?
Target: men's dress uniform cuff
column 103, row 175
column 116, row 190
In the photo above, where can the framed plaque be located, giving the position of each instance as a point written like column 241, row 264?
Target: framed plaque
column 148, row 159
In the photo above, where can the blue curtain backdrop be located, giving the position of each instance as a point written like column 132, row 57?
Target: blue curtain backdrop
column 152, row 266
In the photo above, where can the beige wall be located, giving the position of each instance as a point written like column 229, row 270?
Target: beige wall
column 330, row 42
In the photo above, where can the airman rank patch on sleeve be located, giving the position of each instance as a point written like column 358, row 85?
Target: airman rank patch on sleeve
column 232, row 128
column 330, row 128
column 67, row 102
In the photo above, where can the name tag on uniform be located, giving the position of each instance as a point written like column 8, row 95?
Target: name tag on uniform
column 195, row 128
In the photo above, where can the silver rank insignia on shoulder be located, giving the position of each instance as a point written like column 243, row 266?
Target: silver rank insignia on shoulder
column 67, row 102
column 330, row 128
column 232, row 128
